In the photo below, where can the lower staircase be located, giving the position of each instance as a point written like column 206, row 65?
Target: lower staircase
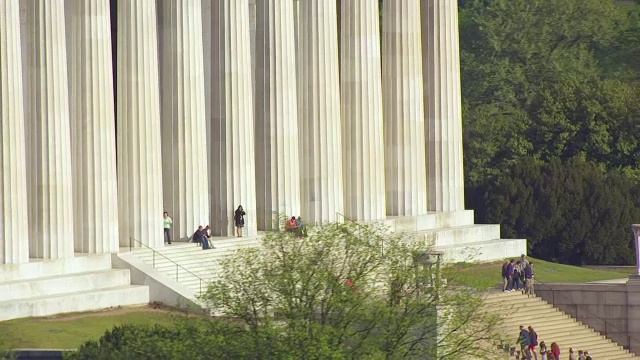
column 191, row 266
column 82, row 283
column 551, row 325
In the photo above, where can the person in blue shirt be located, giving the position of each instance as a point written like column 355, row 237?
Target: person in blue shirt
column 302, row 230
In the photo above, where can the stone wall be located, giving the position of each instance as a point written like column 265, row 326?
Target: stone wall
column 613, row 309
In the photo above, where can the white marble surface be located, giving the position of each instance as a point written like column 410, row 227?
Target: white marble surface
column 93, row 128
column 361, row 111
column 442, row 101
column 49, row 170
column 276, row 120
column 232, row 169
column 405, row 167
column 14, row 242
column 185, row 142
column 138, row 131
column 320, row 151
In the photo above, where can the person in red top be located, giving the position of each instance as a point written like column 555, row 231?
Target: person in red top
column 291, row 224
column 555, row 350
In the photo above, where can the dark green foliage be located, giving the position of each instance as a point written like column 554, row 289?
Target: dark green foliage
column 546, row 81
column 185, row 340
column 571, row 212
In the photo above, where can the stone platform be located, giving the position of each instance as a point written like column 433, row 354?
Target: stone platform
column 81, row 283
column 458, row 237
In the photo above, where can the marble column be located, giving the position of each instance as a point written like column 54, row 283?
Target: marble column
column 14, row 231
column 442, row 101
column 402, row 92
column 93, row 129
column 49, row 170
column 184, row 137
column 361, row 111
column 276, row 119
column 138, row 125
column 320, row 151
column 232, row 170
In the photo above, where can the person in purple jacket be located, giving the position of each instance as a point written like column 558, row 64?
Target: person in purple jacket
column 508, row 271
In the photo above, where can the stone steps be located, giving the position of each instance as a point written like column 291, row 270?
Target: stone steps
column 202, row 265
column 551, row 325
column 50, row 287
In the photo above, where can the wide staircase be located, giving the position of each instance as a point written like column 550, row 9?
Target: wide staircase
column 82, row 283
column 551, row 325
column 191, row 266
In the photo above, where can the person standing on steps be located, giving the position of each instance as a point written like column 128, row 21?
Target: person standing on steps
column 167, row 227
column 239, row 220
column 505, row 276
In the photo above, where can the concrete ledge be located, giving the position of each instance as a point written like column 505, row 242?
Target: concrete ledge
column 75, row 302
column 432, row 220
column 60, row 284
column 42, row 268
column 162, row 288
column 491, row 250
column 39, row 354
column 461, row 235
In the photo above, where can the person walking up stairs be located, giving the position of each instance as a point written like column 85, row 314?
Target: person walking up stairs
column 551, row 325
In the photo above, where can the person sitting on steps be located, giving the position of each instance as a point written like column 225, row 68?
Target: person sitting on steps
column 198, row 237
column 292, row 225
column 302, row 230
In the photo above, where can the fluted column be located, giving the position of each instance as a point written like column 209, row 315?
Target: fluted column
column 14, row 237
column 361, row 110
column 184, row 137
column 403, row 109
column 442, row 101
column 319, row 113
column 138, row 124
column 232, row 170
column 93, row 129
column 276, row 118
column 48, row 134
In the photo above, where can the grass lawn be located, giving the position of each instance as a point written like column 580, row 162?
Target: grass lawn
column 72, row 330
column 487, row 275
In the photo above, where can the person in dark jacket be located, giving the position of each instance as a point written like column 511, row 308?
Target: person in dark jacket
column 238, row 217
column 510, row 269
column 516, row 276
column 524, row 342
column 533, row 342
column 198, row 237
column 528, row 279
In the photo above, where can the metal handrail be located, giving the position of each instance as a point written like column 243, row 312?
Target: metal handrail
column 178, row 266
column 553, row 298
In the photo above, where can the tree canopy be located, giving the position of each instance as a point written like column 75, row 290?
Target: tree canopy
column 544, row 82
column 350, row 291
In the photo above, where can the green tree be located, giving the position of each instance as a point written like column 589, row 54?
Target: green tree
column 187, row 339
column 532, row 84
column 350, row 291
column 571, row 212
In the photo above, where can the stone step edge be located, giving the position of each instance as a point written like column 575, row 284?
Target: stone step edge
column 67, row 294
column 473, row 244
column 70, row 275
